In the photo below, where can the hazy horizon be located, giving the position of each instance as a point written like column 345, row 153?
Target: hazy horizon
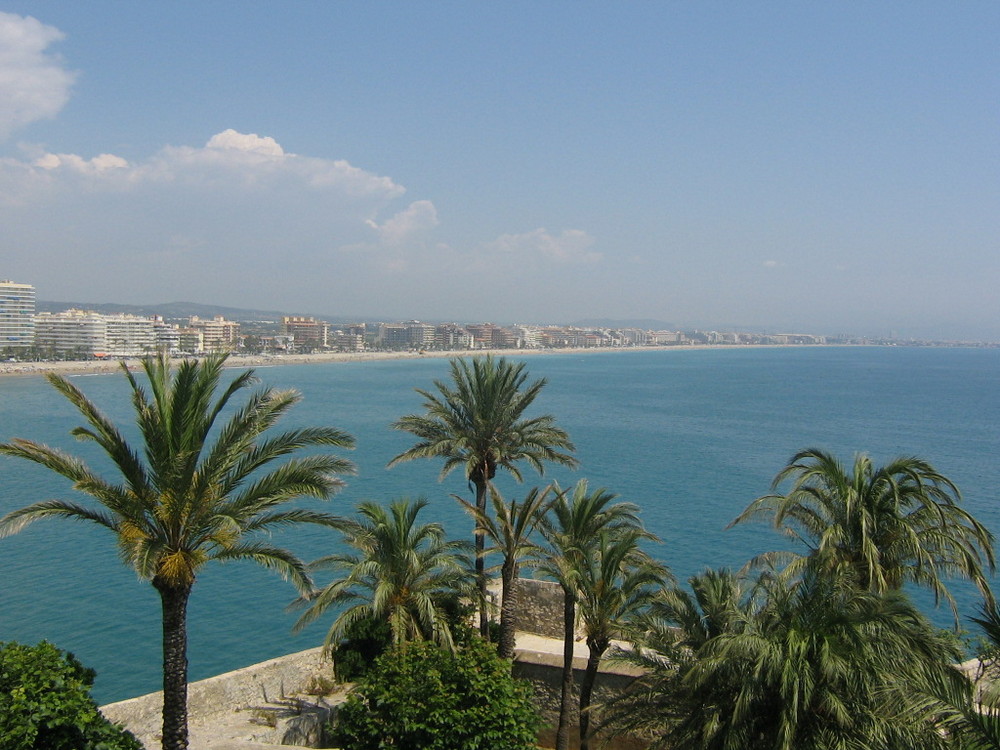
column 830, row 169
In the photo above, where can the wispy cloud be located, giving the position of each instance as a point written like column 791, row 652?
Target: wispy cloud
column 417, row 218
column 34, row 84
column 571, row 246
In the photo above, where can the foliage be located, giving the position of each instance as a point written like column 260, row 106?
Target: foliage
column 879, row 526
column 571, row 527
column 364, row 641
column 970, row 713
column 509, row 529
column 402, row 572
column 422, row 697
column 477, row 422
column 615, row 585
column 45, row 703
column 194, row 492
column 810, row 664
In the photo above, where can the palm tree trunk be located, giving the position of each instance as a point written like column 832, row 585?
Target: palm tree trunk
column 484, row 619
column 508, row 612
column 566, row 704
column 586, row 690
column 173, row 600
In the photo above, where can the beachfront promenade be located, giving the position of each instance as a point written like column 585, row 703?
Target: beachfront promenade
column 91, row 367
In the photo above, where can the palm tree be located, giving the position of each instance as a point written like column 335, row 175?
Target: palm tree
column 401, row 572
column 813, row 664
column 477, row 422
column 969, row 711
column 509, row 529
column 674, row 630
column 881, row 526
column 184, row 500
column 616, row 582
column 571, row 527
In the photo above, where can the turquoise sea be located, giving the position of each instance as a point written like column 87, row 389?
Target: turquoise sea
column 691, row 436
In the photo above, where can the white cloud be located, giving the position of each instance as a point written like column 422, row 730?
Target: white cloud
column 229, row 163
column 97, row 165
column 34, row 85
column 230, row 139
column 572, row 246
column 419, row 216
column 241, row 218
column 771, row 264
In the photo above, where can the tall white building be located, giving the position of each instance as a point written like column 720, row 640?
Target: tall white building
column 129, row 336
column 75, row 332
column 17, row 315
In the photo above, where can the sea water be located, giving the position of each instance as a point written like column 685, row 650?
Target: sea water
column 691, row 436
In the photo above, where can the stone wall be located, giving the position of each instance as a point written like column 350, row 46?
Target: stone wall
column 540, row 607
column 212, row 701
column 544, row 672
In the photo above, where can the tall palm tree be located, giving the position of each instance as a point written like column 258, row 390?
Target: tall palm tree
column 195, row 491
column 881, row 526
column 571, row 527
column 617, row 582
column 477, row 422
column 509, row 529
column 401, row 572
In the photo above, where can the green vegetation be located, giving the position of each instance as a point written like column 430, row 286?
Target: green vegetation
column 45, row 703
column 881, row 527
column 183, row 500
column 362, row 643
column 478, row 422
column 510, row 529
column 572, row 526
column 403, row 573
column 422, row 697
column 616, row 583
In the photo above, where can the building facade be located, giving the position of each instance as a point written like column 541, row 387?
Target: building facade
column 218, row 334
column 17, row 315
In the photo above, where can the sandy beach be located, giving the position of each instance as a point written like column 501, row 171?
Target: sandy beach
column 91, row 367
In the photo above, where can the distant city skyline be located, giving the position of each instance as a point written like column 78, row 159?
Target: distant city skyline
column 830, row 169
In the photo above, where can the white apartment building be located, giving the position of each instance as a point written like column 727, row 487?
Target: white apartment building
column 77, row 332
column 531, row 336
column 90, row 334
column 17, row 315
column 129, row 336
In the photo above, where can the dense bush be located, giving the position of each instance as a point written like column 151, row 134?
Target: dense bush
column 45, row 703
column 364, row 641
column 367, row 639
column 419, row 696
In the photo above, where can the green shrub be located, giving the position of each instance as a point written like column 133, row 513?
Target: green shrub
column 421, row 697
column 45, row 703
column 364, row 641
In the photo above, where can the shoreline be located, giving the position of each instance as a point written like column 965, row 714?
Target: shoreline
column 88, row 367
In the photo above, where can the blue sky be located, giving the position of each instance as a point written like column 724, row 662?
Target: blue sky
column 829, row 168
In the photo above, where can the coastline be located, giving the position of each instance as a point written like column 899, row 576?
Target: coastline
column 28, row 369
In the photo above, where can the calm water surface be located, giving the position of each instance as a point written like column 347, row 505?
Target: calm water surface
column 691, row 436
